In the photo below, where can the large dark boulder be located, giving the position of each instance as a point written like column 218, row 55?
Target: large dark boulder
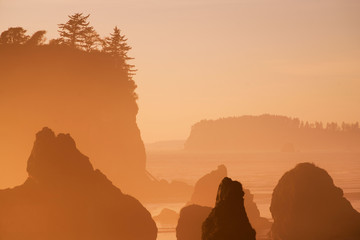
column 228, row 220
column 65, row 198
column 190, row 222
column 307, row 205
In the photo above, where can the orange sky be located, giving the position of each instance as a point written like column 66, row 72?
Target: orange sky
column 209, row 59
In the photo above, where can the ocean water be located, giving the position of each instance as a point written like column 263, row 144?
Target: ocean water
column 257, row 171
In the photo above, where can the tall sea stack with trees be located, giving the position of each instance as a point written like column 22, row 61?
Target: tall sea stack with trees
column 82, row 84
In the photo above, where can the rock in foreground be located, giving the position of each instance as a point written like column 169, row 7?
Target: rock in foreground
column 205, row 191
column 228, row 220
column 307, row 205
column 65, row 198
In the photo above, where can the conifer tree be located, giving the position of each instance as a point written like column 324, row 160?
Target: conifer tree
column 117, row 47
column 75, row 30
column 91, row 40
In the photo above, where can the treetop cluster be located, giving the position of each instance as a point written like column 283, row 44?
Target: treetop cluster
column 77, row 33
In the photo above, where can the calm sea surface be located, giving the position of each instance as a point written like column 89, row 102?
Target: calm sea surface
column 258, row 172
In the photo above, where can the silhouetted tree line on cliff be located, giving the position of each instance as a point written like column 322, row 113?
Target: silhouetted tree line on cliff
column 271, row 132
column 76, row 33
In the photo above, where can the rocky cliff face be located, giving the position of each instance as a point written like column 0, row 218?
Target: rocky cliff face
column 65, row 198
column 228, row 220
column 307, row 205
column 83, row 93
column 71, row 90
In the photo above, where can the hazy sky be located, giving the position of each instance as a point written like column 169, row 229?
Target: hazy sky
column 208, row 59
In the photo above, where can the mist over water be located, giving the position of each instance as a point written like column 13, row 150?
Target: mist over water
column 257, row 171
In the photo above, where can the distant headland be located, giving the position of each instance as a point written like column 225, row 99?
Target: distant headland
column 272, row 133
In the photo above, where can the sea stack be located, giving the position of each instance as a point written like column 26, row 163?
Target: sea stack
column 206, row 187
column 205, row 191
column 228, row 220
column 307, row 205
column 65, row 198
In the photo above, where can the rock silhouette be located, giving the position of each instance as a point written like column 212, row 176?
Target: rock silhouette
column 260, row 224
column 100, row 105
column 206, row 187
column 228, row 220
column 190, row 222
column 307, row 205
column 167, row 217
column 65, row 198
column 205, row 191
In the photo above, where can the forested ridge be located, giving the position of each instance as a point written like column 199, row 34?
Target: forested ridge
column 272, row 132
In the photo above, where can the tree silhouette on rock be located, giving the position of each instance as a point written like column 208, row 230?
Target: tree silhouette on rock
column 91, row 40
column 77, row 33
column 116, row 45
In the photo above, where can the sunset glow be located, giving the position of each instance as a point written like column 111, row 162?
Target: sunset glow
column 179, row 119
